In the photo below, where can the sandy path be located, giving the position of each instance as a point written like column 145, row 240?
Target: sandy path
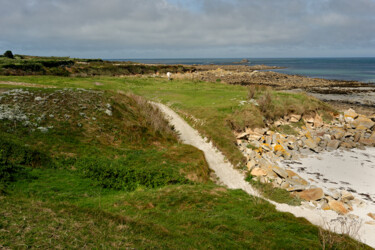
column 233, row 179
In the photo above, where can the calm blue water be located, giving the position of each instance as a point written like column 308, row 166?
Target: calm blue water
column 359, row 69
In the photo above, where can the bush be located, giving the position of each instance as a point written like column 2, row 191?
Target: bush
column 130, row 172
column 14, row 154
column 9, row 54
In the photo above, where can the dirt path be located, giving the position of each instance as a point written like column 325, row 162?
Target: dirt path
column 23, row 84
column 233, row 179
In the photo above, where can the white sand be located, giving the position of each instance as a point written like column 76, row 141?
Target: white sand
column 352, row 170
column 233, row 179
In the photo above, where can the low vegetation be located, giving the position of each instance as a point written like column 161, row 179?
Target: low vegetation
column 64, row 66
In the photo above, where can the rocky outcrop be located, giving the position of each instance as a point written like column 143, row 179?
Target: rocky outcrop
column 265, row 149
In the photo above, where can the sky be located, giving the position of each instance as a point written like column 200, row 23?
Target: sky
column 188, row 28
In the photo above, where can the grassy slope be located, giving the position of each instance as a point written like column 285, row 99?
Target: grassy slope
column 46, row 209
column 49, row 209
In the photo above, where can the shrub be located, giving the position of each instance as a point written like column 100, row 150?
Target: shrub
column 265, row 102
column 9, row 54
column 251, row 91
column 128, row 173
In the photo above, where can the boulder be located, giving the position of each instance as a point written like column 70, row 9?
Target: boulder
column 338, row 133
column 363, row 122
column 347, row 145
column 338, row 207
column 295, row 118
column 367, row 142
column 350, row 113
column 346, row 196
column 311, row 194
column 297, row 181
column 258, row 172
column 280, row 172
column 332, row 192
column 311, row 144
column 333, row 145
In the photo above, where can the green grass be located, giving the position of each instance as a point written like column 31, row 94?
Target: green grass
column 276, row 194
column 68, row 211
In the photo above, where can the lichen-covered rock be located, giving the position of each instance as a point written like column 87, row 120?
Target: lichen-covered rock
column 350, row 113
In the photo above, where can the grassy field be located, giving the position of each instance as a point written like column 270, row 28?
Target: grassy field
column 124, row 181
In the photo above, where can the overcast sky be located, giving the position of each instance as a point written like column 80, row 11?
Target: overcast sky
column 188, row 28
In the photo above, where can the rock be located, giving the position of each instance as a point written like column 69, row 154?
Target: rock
column 260, row 131
column 346, row 196
column 333, row 145
column 240, row 136
column 325, row 207
column 363, row 122
column 372, row 137
column 43, row 129
column 297, row 181
column 338, row 133
column 278, row 123
column 258, row 172
column 371, row 215
column 367, row 142
column 280, row 172
column 337, row 206
column 295, row 118
column 349, row 120
column 296, row 188
column 333, row 193
column 251, row 164
column 311, row 194
column 284, row 185
column 357, row 136
column 38, row 98
column 347, row 145
column 327, row 137
column 350, row 113
column 311, row 144
column 108, row 112
column 279, row 181
column 308, row 120
column 318, row 121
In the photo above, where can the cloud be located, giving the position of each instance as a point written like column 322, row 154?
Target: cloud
column 190, row 28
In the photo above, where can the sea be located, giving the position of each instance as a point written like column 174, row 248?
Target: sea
column 351, row 69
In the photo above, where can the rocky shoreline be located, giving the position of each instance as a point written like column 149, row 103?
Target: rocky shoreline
column 268, row 151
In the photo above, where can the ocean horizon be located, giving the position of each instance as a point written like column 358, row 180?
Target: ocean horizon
column 344, row 68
